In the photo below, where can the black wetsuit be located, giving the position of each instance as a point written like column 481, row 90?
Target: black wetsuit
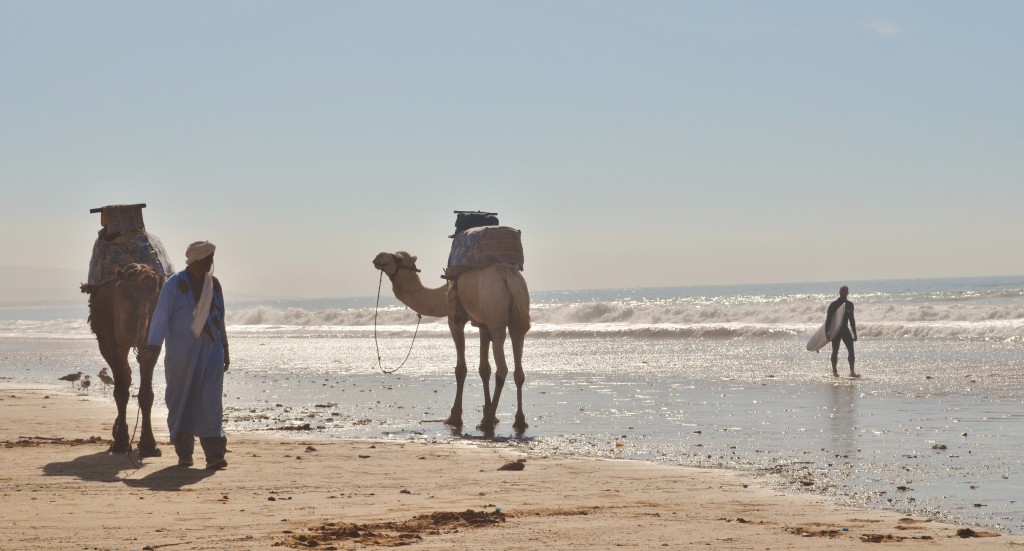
column 844, row 333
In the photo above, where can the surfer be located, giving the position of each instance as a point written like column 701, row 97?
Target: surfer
column 847, row 331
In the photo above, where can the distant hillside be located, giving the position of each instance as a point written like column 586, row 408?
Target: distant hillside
column 22, row 284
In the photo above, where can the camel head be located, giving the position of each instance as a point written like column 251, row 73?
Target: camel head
column 136, row 292
column 390, row 263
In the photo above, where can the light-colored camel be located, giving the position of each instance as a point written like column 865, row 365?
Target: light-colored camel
column 495, row 299
column 119, row 313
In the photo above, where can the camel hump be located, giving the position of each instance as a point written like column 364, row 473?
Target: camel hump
column 519, row 296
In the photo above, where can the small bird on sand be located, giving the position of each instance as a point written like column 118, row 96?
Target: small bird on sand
column 85, row 384
column 72, row 377
column 105, row 377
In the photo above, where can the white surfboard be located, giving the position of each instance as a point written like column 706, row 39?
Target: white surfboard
column 820, row 338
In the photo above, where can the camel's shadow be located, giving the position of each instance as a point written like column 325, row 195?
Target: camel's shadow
column 490, row 436
column 107, row 467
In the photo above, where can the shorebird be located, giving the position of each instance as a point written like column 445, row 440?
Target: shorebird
column 85, row 384
column 105, row 378
column 72, row 377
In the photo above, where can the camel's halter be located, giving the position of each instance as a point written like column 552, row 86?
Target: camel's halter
column 377, row 346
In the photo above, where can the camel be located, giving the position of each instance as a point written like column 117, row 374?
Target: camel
column 495, row 299
column 119, row 315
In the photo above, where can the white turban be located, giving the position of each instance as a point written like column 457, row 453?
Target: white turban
column 198, row 251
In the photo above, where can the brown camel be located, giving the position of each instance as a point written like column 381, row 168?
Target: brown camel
column 119, row 314
column 495, row 299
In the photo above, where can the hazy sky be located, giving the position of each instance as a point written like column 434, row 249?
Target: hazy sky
column 633, row 143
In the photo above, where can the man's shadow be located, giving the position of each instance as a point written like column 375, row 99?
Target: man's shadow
column 108, row 467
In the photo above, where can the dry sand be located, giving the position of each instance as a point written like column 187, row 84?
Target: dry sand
column 61, row 490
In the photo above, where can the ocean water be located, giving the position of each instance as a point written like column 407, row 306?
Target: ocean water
column 700, row 376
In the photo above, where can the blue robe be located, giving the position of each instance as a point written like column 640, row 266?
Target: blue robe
column 193, row 367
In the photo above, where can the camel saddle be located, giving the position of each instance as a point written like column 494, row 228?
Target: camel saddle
column 466, row 219
column 123, row 241
column 482, row 246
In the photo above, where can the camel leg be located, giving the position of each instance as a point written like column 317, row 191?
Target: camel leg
column 147, row 443
column 518, row 337
column 485, row 366
column 490, row 410
column 117, row 359
column 458, row 330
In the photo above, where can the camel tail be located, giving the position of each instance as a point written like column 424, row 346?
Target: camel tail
column 520, row 311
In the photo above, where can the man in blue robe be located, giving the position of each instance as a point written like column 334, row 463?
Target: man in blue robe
column 189, row 316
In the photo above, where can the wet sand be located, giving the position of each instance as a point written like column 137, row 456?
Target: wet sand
column 61, row 490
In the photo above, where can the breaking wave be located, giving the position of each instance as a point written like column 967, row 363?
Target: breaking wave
column 988, row 314
column 956, row 319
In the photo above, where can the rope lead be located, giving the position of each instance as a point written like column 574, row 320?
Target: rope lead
column 376, row 307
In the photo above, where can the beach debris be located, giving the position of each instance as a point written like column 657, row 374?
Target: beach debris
column 879, row 538
column 517, row 465
column 405, row 491
column 310, row 449
column 814, row 533
column 938, row 446
column 32, row 441
column 391, row 534
column 304, row 426
column 968, row 533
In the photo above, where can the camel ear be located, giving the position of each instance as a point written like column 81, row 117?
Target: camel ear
column 412, row 259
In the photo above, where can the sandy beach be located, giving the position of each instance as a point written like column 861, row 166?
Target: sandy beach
column 61, row 490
